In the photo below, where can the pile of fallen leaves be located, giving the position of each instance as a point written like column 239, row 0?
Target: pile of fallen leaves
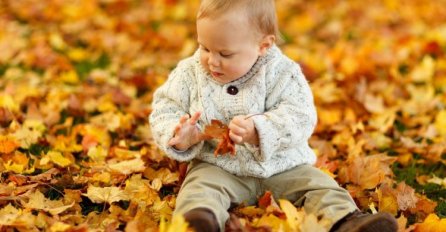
column 77, row 77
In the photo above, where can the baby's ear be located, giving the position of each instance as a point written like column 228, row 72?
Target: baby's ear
column 266, row 43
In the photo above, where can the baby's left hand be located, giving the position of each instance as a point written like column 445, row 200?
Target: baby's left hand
column 242, row 130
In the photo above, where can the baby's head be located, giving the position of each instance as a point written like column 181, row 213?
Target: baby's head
column 232, row 34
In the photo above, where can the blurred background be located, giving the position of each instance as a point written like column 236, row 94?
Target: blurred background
column 76, row 75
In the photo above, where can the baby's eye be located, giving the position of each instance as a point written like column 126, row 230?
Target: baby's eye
column 225, row 55
column 204, row 49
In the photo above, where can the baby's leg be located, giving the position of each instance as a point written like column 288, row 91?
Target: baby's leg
column 210, row 187
column 316, row 191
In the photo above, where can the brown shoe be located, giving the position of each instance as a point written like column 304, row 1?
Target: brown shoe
column 202, row 219
column 363, row 222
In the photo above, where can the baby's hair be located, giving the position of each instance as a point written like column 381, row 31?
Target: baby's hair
column 261, row 13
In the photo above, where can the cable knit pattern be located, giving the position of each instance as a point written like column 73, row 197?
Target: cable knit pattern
column 275, row 87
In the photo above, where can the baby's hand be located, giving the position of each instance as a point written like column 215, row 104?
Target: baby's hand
column 242, row 130
column 186, row 133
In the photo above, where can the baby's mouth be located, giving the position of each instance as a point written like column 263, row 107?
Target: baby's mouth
column 216, row 74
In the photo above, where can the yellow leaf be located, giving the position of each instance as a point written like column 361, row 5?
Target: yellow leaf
column 13, row 167
column 440, row 122
column 106, row 194
column 8, row 102
column 387, row 200
column 9, row 214
column 310, row 223
column 38, row 201
column 432, row 223
column 57, row 158
column 139, row 191
column 97, row 153
column 424, row 71
column 272, row 221
column 437, row 180
column 57, row 41
column 129, row 166
column 162, row 209
column 329, row 116
column 29, row 133
column 293, row 217
column 104, row 177
column 178, row 224
column 77, row 54
column 59, row 227
column 70, row 77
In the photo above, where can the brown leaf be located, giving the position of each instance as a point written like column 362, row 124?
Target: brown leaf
column 218, row 130
column 405, row 196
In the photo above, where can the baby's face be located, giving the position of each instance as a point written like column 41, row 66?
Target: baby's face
column 229, row 45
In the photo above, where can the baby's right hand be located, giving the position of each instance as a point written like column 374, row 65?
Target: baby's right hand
column 186, row 133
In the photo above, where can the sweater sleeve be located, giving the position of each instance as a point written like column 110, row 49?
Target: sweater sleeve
column 290, row 116
column 171, row 101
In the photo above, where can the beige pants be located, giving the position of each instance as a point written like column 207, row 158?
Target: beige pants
column 211, row 187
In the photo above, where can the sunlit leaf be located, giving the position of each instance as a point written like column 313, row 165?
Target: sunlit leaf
column 105, row 194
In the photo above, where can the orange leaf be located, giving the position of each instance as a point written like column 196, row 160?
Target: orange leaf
column 218, row 130
column 265, row 200
column 7, row 145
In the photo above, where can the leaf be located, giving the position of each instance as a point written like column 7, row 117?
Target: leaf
column 431, row 224
column 38, row 201
column 57, row 158
column 440, row 122
column 9, row 214
column 218, row 130
column 178, row 224
column 105, row 194
column 293, row 217
column 405, row 196
column 128, row 166
column 270, row 206
column 387, row 199
column 368, row 171
column 7, row 144
column 139, row 191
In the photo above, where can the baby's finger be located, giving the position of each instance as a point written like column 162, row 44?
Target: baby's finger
column 173, row 141
column 177, row 128
column 194, row 118
column 184, row 118
column 237, row 139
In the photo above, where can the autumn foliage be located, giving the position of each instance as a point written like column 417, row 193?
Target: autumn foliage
column 218, row 130
column 77, row 78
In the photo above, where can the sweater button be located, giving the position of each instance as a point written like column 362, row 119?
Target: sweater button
column 232, row 90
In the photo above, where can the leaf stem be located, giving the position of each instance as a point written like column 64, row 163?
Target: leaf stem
column 253, row 115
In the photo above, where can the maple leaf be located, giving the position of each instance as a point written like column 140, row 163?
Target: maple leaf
column 387, row 199
column 105, row 194
column 432, row 223
column 139, row 190
column 367, row 171
column 405, row 196
column 218, row 130
column 178, row 224
column 38, row 201
column 57, row 158
column 128, row 166
column 268, row 203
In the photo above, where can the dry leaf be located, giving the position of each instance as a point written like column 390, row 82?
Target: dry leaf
column 218, row 130
column 105, row 194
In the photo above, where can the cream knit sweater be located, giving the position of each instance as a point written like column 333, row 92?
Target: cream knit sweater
column 275, row 86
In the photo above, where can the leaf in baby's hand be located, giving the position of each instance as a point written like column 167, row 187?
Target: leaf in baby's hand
column 215, row 130
column 218, row 130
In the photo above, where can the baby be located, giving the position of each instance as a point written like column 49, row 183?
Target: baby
column 240, row 77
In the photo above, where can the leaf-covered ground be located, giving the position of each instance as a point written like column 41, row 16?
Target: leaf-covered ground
column 77, row 77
